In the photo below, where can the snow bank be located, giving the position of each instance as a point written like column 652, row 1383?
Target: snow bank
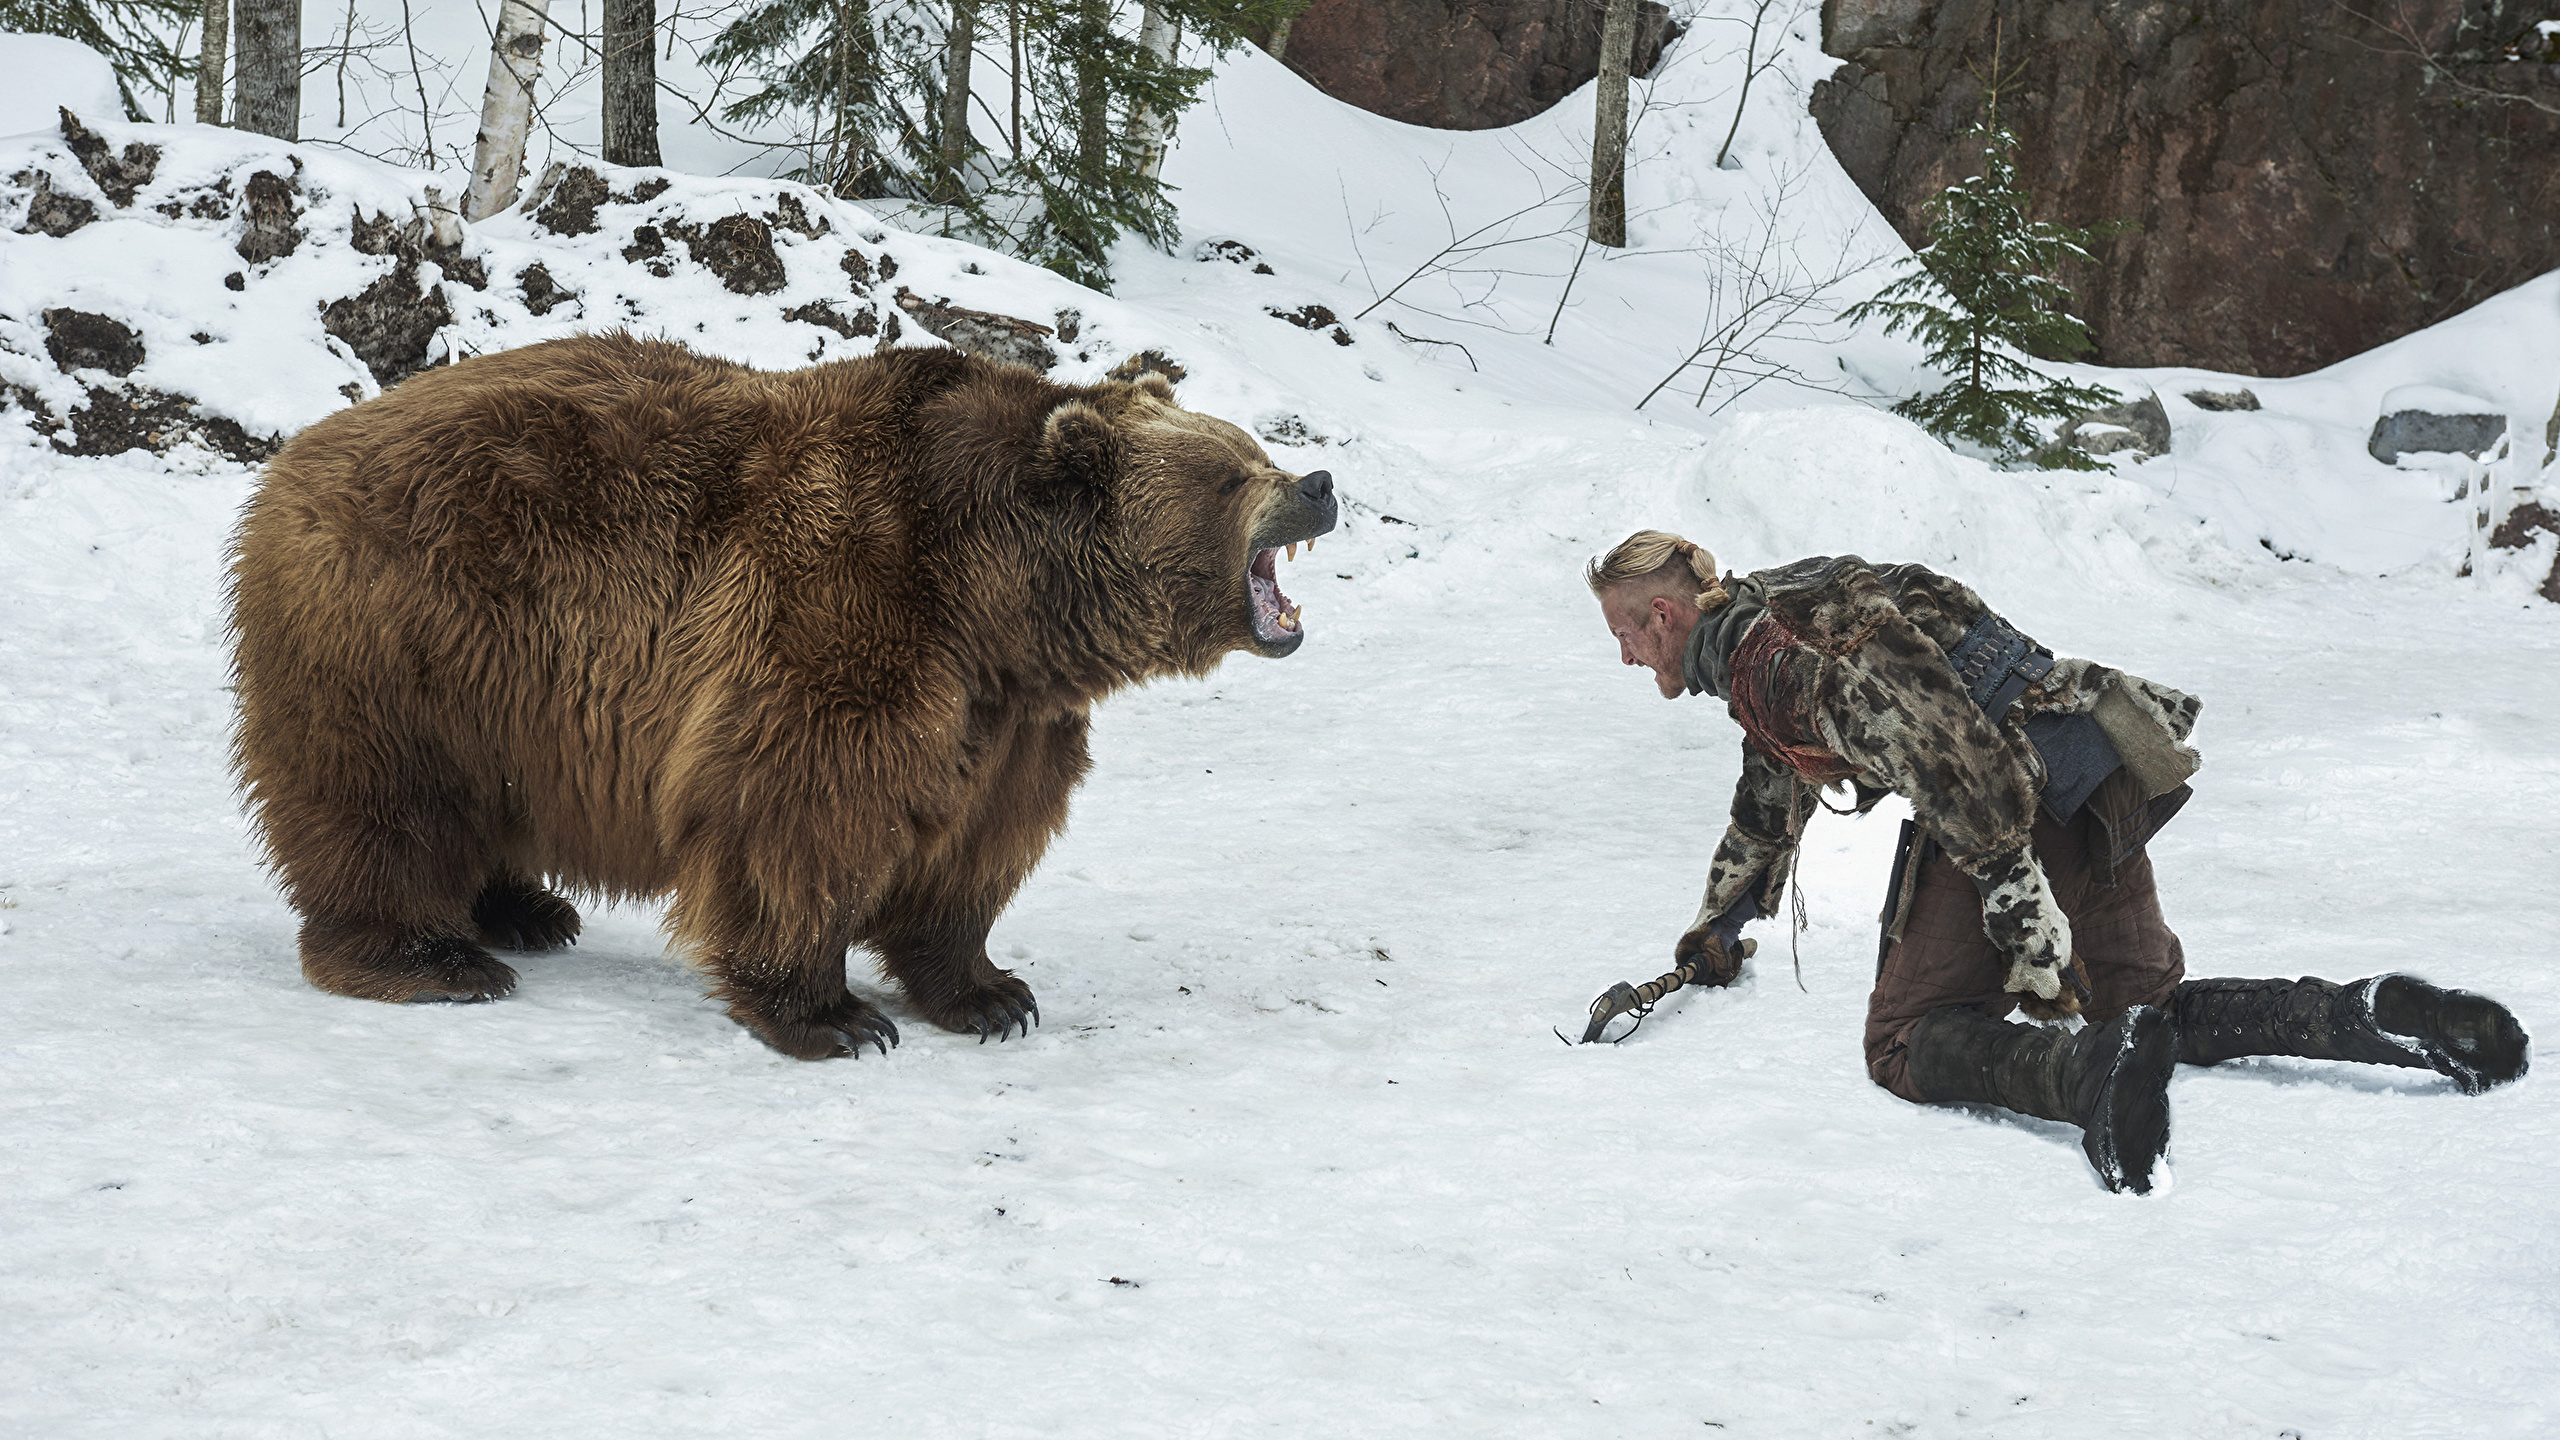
column 40, row 74
column 1295, row 1151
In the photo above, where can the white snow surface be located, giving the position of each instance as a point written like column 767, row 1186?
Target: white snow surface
column 1296, row 1151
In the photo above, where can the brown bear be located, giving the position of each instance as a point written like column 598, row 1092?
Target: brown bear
column 808, row 653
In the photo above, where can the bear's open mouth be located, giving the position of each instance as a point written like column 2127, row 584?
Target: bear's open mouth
column 1275, row 616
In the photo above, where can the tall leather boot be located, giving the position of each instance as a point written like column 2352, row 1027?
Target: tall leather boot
column 2384, row 1020
column 2111, row 1080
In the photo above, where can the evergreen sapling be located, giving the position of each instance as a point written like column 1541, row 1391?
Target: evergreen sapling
column 1981, row 294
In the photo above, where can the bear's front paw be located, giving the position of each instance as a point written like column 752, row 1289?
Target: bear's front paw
column 513, row 915
column 842, row 1028
column 997, row 1009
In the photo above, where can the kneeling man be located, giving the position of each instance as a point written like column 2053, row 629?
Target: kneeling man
column 2035, row 783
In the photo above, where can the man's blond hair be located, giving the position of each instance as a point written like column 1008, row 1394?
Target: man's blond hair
column 1662, row 563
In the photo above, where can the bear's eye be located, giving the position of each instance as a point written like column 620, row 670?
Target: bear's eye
column 1230, row 487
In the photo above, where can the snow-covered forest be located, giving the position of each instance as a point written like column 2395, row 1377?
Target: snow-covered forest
column 1295, row 1149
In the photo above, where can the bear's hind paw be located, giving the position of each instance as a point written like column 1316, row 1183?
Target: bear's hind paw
column 1000, row 1010
column 839, row 1029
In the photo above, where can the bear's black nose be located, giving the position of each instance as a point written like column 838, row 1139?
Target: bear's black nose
column 1318, row 487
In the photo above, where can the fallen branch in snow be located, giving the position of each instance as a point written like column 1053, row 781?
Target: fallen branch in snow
column 1427, row 340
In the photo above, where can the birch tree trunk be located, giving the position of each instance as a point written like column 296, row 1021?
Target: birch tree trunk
column 1609, row 127
column 506, row 109
column 959, row 47
column 1146, row 128
column 630, row 82
column 212, row 60
column 266, row 95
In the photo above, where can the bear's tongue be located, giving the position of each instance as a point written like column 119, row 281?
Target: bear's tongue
column 1274, row 618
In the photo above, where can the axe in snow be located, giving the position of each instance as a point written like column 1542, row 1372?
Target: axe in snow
column 1639, row 1000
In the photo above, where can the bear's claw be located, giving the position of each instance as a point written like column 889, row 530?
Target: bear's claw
column 869, row 1028
column 1006, row 1012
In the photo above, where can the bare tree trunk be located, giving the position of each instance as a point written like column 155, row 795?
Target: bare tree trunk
column 506, row 108
column 959, row 47
column 1609, row 128
column 212, row 61
column 630, row 82
column 1157, row 36
column 1276, row 44
column 1013, row 25
column 1093, row 102
column 266, row 95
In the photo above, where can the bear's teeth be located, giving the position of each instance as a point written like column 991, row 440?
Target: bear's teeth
column 1293, row 549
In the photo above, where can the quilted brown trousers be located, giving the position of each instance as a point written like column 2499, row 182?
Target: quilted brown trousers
column 1943, row 958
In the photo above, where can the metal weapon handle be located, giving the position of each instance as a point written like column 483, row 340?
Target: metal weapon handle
column 1622, row 998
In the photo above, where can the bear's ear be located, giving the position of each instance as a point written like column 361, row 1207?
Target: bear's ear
column 1081, row 442
column 1154, row 383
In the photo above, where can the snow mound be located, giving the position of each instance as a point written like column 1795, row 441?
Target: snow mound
column 264, row 284
column 47, row 73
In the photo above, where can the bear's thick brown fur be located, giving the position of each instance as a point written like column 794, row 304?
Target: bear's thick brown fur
column 808, row 653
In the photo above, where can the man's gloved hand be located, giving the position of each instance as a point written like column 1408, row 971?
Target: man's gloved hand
column 1715, row 948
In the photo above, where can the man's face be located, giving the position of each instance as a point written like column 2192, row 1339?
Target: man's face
column 1651, row 631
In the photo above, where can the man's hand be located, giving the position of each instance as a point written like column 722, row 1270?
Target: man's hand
column 1713, row 952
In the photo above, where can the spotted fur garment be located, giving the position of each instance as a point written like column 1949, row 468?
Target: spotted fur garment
column 1868, row 675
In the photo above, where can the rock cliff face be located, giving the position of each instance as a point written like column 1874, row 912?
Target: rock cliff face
column 2309, row 182
column 1459, row 64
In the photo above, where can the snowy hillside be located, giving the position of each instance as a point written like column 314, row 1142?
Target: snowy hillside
column 1296, row 1151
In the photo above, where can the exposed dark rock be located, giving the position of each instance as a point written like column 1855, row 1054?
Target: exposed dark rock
column 542, row 294
column 738, row 249
column 51, row 213
column 2303, row 188
column 213, row 202
column 857, row 268
column 1289, row 430
column 1459, row 64
column 1070, row 324
column 270, row 228
column 1234, row 252
column 1312, row 317
column 2141, row 426
column 390, row 324
column 2223, row 399
column 648, row 190
column 981, row 332
column 116, row 419
column 2405, row 432
column 569, row 208
column 235, row 281
column 789, row 214
column 1150, row 362
column 414, row 241
column 118, row 176
column 2518, row 530
column 827, row 316
column 78, row 340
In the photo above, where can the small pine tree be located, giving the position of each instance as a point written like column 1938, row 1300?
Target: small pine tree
column 1981, row 293
column 136, row 36
column 870, row 79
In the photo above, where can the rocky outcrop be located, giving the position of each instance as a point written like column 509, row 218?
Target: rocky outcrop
column 2306, row 183
column 1459, row 64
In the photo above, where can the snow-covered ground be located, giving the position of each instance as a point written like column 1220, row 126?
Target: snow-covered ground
column 1296, row 1151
